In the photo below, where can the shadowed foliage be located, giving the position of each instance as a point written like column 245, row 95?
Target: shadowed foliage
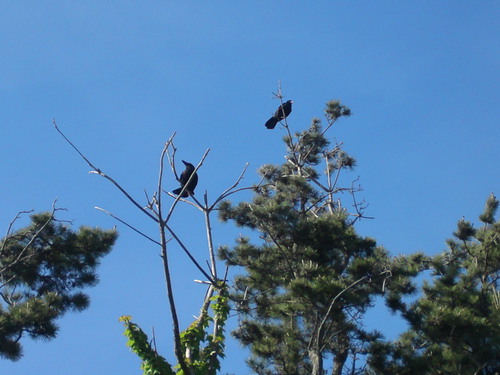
column 43, row 269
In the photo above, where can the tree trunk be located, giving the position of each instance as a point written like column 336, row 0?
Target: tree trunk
column 317, row 361
column 338, row 362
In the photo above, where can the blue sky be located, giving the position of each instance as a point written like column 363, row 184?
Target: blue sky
column 120, row 77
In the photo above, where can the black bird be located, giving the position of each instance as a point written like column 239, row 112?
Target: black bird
column 185, row 175
column 282, row 112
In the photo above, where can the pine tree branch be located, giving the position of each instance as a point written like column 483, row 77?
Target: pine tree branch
column 300, row 170
column 11, row 224
column 276, row 242
column 320, row 331
column 20, row 257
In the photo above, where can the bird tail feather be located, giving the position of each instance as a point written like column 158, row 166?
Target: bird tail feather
column 271, row 123
column 177, row 191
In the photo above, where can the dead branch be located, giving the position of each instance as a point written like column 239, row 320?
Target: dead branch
column 101, row 173
column 20, row 257
column 183, row 247
column 128, row 225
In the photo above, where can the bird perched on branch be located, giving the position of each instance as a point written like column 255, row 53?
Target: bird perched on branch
column 185, row 175
column 281, row 113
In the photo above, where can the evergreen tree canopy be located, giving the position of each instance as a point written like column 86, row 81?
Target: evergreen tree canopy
column 455, row 325
column 43, row 268
column 309, row 282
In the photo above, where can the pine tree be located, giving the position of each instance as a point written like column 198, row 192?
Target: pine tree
column 455, row 325
column 309, row 282
column 43, row 268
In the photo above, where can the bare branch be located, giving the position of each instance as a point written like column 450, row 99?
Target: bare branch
column 128, row 225
column 229, row 191
column 101, row 173
column 189, row 254
column 20, row 256
column 160, row 180
column 196, row 203
column 208, row 228
column 74, row 147
column 17, row 217
column 299, row 168
column 166, row 269
column 205, row 305
column 171, row 160
column 320, row 330
column 357, row 206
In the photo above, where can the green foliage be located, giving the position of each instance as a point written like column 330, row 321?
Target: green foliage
column 455, row 325
column 43, row 268
column 152, row 362
column 203, row 351
column 205, row 360
column 488, row 215
column 309, row 282
column 335, row 110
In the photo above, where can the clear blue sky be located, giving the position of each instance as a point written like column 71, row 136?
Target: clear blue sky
column 422, row 80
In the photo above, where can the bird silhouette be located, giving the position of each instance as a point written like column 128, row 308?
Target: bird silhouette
column 185, row 175
column 281, row 113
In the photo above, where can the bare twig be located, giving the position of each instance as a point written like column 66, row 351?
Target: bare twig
column 20, row 256
column 188, row 253
column 208, row 227
column 17, row 217
column 101, row 173
column 128, row 225
column 229, row 190
column 320, row 331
